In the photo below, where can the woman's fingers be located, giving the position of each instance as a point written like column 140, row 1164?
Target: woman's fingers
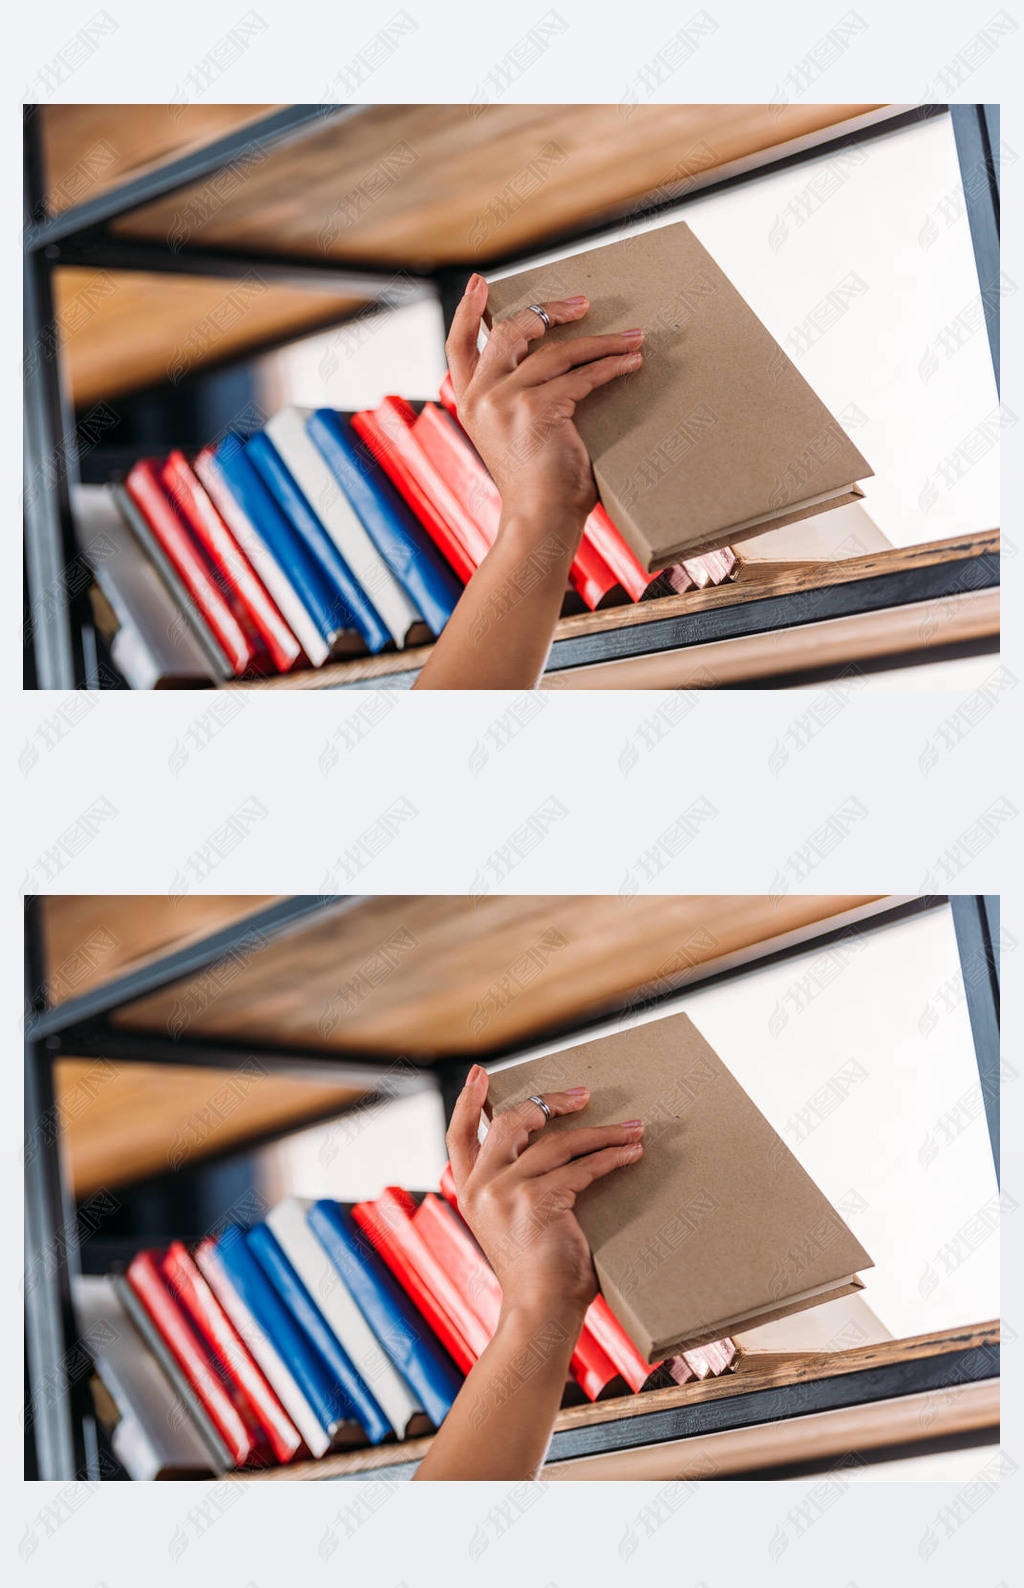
column 557, row 358
column 579, row 383
column 508, row 1133
column 576, row 1176
column 509, row 341
column 463, row 1131
column 461, row 346
column 553, row 1152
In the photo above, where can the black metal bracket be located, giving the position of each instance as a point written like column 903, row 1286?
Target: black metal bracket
column 976, row 129
column 976, row 920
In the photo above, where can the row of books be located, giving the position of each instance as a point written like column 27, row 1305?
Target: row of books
column 320, row 536
column 323, row 1327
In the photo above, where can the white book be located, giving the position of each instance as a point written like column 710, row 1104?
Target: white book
column 155, row 1436
column 158, row 644
column 309, row 1259
column 265, row 1353
column 279, row 586
column 316, row 480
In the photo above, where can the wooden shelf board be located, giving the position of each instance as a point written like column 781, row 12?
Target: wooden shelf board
column 124, row 329
column 753, row 582
column 753, row 1374
column 126, row 1122
column 423, row 977
column 89, row 149
column 89, row 938
column 422, row 186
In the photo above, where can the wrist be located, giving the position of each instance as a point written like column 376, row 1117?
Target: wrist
column 556, row 525
column 551, row 1323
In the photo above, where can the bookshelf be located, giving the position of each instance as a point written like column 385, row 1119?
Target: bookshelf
column 253, row 976
column 136, row 250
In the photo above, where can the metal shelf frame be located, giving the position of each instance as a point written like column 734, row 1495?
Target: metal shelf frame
column 62, row 1421
column 63, row 644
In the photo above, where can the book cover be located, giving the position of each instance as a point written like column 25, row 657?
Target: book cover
column 391, row 1239
column 386, row 437
column 395, row 531
column 717, row 436
column 717, row 1227
column 289, row 1223
column 350, row 1390
column 225, row 1345
column 224, row 615
column 192, row 501
column 225, row 1405
column 318, row 484
column 280, row 1376
column 354, row 607
column 331, row 1407
column 403, row 1333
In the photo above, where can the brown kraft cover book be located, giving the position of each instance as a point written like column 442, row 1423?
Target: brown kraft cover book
column 717, row 1228
column 718, row 436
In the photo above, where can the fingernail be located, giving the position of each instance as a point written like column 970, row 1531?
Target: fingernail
column 634, row 334
column 631, row 1124
column 632, row 1152
column 576, row 1091
column 633, row 361
column 577, row 300
column 474, row 1074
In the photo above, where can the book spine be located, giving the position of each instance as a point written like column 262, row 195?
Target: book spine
column 264, row 1352
column 146, row 1279
column 273, row 572
column 350, row 1390
column 143, row 485
column 224, row 1343
column 192, row 501
column 401, row 1329
column 188, row 1402
column 393, row 1249
column 394, row 461
column 454, row 1250
column 355, row 607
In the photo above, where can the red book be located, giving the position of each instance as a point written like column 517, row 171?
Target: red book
column 592, row 1366
column 453, row 455
column 227, row 1348
column 224, row 617
column 243, row 1437
column 388, row 438
column 193, row 503
column 606, row 1329
column 393, row 1249
column 445, row 1235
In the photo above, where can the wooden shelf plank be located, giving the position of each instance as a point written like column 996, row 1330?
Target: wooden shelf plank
column 421, row 186
column 753, row 582
column 124, row 329
column 752, row 1375
column 424, row 977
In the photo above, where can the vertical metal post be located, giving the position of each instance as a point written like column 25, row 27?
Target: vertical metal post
column 61, row 626
column 976, row 922
column 451, row 284
column 976, row 130
column 451, row 1076
column 59, row 1418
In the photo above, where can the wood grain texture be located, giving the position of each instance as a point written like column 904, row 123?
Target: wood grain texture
column 124, row 1122
column 88, row 149
column 761, row 1448
column 426, row 185
column 427, row 977
column 89, row 938
column 891, row 629
column 124, row 329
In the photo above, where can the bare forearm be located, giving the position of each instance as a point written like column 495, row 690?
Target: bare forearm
column 500, row 633
column 500, row 1425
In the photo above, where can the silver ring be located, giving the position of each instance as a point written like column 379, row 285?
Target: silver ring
column 541, row 1104
column 535, row 308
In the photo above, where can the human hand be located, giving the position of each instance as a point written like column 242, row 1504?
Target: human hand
column 517, row 400
column 517, row 1195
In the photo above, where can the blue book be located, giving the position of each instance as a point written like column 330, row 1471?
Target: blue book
column 391, row 525
column 407, row 1339
column 327, row 613
column 323, row 1340
column 280, row 482
column 328, row 1403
